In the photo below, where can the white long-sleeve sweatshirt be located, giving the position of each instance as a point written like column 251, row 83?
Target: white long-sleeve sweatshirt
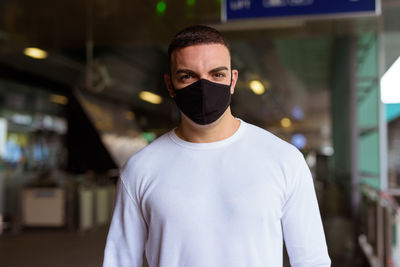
column 230, row 203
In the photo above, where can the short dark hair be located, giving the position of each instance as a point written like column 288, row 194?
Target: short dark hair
column 196, row 35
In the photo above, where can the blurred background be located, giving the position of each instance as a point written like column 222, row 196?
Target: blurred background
column 81, row 90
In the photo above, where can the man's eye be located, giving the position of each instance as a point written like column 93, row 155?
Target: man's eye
column 185, row 77
column 219, row 75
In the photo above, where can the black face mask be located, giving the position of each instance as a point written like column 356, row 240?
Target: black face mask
column 203, row 101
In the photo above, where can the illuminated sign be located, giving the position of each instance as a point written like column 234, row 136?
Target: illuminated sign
column 253, row 9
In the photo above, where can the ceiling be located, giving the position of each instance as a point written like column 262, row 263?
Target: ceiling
column 69, row 23
column 292, row 56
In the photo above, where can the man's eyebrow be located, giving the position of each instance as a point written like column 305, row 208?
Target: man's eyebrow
column 219, row 69
column 186, row 71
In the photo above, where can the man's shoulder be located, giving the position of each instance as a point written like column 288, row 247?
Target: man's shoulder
column 265, row 137
column 147, row 156
column 269, row 142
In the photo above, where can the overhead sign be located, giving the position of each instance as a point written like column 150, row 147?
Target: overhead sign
column 252, row 9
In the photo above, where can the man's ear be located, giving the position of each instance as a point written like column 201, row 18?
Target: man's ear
column 235, row 75
column 168, row 84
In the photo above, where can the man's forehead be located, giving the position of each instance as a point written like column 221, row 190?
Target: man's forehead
column 202, row 45
column 212, row 54
column 201, row 48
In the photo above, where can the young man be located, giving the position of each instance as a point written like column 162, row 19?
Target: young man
column 215, row 191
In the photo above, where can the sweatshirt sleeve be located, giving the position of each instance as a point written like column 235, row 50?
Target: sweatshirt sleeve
column 127, row 234
column 301, row 222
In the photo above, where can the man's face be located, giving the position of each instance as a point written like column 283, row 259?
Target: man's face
column 205, row 61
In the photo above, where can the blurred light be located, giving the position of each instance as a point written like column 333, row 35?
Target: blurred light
column 299, row 141
column 190, row 2
column 311, row 159
column 60, row 125
column 161, row 7
column 150, row 97
column 36, row 53
column 21, row 119
column 286, row 123
column 297, row 113
column 390, row 84
column 47, row 122
column 59, row 99
column 257, row 87
column 130, row 116
column 327, row 150
column 148, row 136
column 3, row 140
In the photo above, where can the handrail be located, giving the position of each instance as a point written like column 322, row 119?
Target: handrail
column 386, row 198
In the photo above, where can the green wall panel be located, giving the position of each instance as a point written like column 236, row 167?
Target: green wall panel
column 368, row 110
column 367, row 56
column 368, row 147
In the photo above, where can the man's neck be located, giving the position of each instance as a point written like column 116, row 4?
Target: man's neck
column 223, row 128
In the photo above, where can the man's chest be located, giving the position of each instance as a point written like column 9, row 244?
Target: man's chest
column 218, row 196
